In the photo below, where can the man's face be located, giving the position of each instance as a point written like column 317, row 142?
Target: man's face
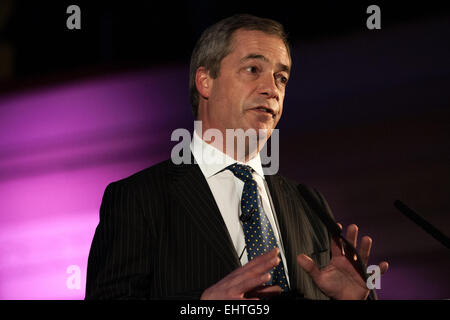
column 250, row 88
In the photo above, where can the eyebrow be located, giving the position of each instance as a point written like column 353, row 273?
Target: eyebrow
column 251, row 56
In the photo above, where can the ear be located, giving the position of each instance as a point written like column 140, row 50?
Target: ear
column 203, row 82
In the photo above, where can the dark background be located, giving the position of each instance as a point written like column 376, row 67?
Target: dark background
column 366, row 118
column 151, row 33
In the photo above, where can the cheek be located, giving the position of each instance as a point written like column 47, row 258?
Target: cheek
column 217, row 99
column 234, row 98
column 223, row 89
column 281, row 104
column 230, row 95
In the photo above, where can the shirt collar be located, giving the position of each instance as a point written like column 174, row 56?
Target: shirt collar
column 211, row 160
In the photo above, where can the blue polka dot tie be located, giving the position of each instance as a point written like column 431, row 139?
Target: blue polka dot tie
column 259, row 236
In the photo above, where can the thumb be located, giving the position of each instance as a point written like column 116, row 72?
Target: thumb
column 308, row 265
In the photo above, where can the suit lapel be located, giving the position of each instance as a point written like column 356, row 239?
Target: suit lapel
column 190, row 188
column 293, row 227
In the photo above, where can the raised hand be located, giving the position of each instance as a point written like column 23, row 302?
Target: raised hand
column 247, row 282
column 340, row 280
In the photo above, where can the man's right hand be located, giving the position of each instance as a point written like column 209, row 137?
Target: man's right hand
column 248, row 279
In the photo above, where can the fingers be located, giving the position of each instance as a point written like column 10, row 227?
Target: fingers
column 254, row 274
column 269, row 289
column 336, row 247
column 260, row 265
column 258, row 261
column 264, row 292
column 364, row 247
column 250, row 283
column 364, row 250
column 352, row 234
column 308, row 265
column 352, row 237
column 383, row 267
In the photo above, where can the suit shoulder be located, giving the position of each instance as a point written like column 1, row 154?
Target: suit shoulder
column 151, row 175
column 295, row 187
column 287, row 182
column 293, row 183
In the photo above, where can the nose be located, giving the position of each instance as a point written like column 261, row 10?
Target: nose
column 268, row 87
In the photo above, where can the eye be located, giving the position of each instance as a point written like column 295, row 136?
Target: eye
column 252, row 69
column 282, row 79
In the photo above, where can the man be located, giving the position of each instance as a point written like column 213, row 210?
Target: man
column 184, row 231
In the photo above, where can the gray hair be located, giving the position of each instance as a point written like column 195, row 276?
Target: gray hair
column 214, row 45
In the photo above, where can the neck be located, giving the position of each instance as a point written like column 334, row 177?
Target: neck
column 236, row 144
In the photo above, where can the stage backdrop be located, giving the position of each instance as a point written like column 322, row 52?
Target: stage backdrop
column 366, row 122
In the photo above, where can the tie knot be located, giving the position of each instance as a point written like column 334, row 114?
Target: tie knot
column 242, row 172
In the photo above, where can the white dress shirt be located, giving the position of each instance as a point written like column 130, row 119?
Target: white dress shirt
column 227, row 192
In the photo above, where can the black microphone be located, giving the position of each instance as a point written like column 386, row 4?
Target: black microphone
column 336, row 233
column 421, row 222
column 346, row 247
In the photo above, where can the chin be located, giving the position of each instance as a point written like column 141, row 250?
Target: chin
column 264, row 126
column 263, row 132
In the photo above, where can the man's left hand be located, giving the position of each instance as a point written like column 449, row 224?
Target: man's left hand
column 339, row 280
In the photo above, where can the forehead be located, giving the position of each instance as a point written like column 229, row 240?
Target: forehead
column 244, row 42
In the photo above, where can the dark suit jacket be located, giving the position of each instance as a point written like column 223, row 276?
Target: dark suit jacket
column 161, row 236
